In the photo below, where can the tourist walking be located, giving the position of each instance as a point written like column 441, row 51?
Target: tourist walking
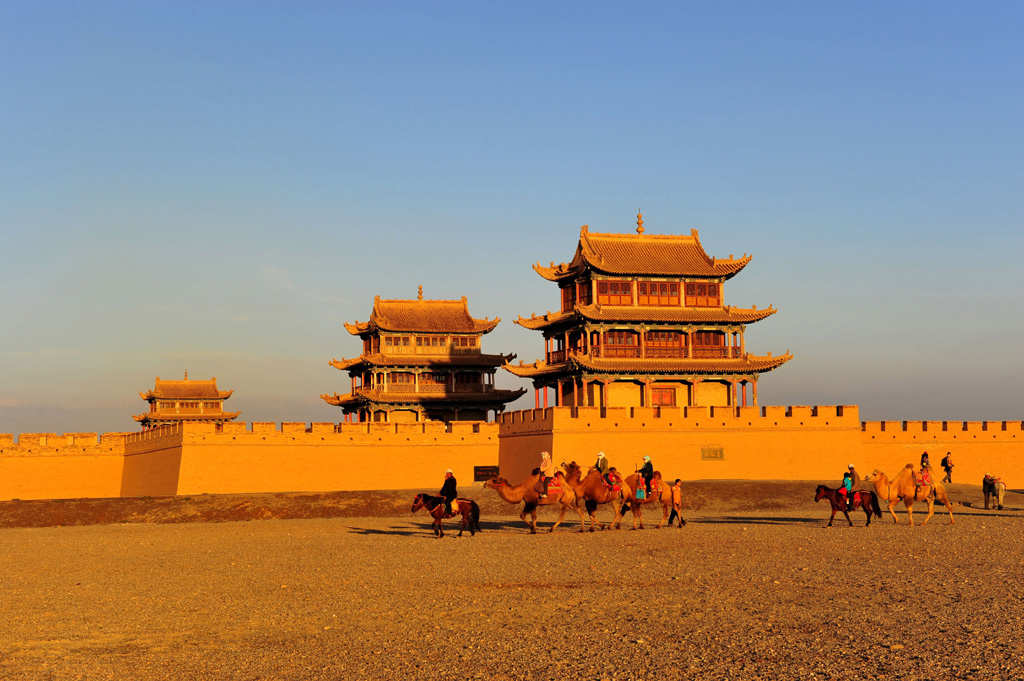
column 547, row 469
column 947, row 465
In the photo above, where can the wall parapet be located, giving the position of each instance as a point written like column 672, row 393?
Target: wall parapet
column 533, row 421
column 66, row 444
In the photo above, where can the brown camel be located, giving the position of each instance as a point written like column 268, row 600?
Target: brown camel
column 905, row 488
column 660, row 493
column 593, row 491
column 527, row 492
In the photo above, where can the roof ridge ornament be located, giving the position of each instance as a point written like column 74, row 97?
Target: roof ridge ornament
column 420, row 295
column 186, row 374
column 639, row 223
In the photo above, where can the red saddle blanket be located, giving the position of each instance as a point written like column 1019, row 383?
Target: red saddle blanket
column 923, row 478
column 554, row 487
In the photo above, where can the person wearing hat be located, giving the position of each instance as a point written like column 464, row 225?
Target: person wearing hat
column 851, row 484
column 647, row 472
column 547, row 469
column 448, row 491
column 602, row 464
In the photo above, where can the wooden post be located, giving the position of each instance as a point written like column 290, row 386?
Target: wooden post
column 693, row 398
column 754, row 390
column 545, row 397
column 575, row 393
column 604, row 394
column 536, row 397
column 558, row 393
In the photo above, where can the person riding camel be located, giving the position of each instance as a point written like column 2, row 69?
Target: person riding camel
column 547, row 468
column 603, row 466
column 647, row 472
column 448, row 491
column 854, row 486
column 612, row 477
column 925, row 463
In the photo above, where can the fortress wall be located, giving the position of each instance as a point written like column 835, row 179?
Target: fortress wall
column 978, row 447
column 51, row 466
column 152, row 461
column 763, row 443
column 323, row 457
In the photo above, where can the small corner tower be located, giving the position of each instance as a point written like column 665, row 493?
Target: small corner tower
column 185, row 400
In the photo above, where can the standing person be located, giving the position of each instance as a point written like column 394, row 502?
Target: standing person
column 947, row 465
column 647, row 472
column 547, row 469
column 448, row 491
column 677, row 496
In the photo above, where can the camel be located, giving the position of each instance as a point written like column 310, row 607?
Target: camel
column 526, row 492
column 660, row 492
column 905, row 488
column 593, row 491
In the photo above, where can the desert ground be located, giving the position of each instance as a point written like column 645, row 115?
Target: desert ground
column 353, row 586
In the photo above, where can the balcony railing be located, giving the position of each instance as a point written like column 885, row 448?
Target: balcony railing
column 556, row 356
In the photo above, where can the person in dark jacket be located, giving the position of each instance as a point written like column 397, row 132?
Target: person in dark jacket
column 947, row 465
column 647, row 472
column 448, row 491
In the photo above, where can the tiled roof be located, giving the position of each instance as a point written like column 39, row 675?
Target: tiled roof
column 378, row 396
column 663, row 255
column 447, row 361
column 174, row 418
column 186, row 390
column 677, row 315
column 422, row 316
column 745, row 365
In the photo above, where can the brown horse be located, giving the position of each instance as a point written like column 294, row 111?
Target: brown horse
column 467, row 508
column 838, row 501
column 594, row 492
column 906, row 488
column 527, row 492
column 660, row 492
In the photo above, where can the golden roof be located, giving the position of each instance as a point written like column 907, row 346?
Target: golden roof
column 186, row 390
column 422, row 316
column 666, row 255
column 362, row 396
column 617, row 365
column 159, row 418
column 446, row 361
column 677, row 315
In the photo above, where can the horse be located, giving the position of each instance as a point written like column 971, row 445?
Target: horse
column 593, row 490
column 527, row 492
column 906, row 488
column 467, row 508
column 838, row 502
column 994, row 490
column 659, row 492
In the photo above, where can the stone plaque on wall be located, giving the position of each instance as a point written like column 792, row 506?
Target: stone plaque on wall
column 712, row 452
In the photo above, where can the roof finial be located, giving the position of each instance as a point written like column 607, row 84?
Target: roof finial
column 186, row 374
column 420, row 296
column 639, row 223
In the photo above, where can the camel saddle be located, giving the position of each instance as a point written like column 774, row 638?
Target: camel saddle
column 554, row 487
column 923, row 479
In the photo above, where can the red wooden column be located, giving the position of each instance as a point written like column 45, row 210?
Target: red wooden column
column 754, row 390
column 545, row 397
column 558, row 393
column 536, row 397
column 604, row 394
column 575, row 393
column 647, row 392
column 693, row 388
column 734, row 393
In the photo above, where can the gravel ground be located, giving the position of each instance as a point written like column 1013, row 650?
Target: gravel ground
column 733, row 595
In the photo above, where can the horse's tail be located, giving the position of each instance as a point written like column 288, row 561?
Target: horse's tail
column 875, row 508
column 474, row 515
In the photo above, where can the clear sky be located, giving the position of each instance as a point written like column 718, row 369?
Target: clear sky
column 218, row 186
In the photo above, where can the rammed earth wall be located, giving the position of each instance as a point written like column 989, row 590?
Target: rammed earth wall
column 761, row 443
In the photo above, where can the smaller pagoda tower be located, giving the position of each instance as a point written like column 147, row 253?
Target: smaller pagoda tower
column 185, row 400
column 422, row 361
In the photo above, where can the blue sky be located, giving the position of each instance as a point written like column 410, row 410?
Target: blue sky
column 217, row 187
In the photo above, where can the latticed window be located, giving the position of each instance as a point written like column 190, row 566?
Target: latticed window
column 622, row 344
column 701, row 294
column 657, row 293
column 615, row 292
column 568, row 296
column 400, row 378
column 586, row 292
column 709, row 339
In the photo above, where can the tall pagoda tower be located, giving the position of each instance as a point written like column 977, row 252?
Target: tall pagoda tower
column 185, row 400
column 643, row 322
column 422, row 360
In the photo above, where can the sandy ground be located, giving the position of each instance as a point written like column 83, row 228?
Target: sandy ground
column 754, row 586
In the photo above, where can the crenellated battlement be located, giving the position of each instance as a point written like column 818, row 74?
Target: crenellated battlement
column 943, row 431
column 66, row 444
column 533, row 421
